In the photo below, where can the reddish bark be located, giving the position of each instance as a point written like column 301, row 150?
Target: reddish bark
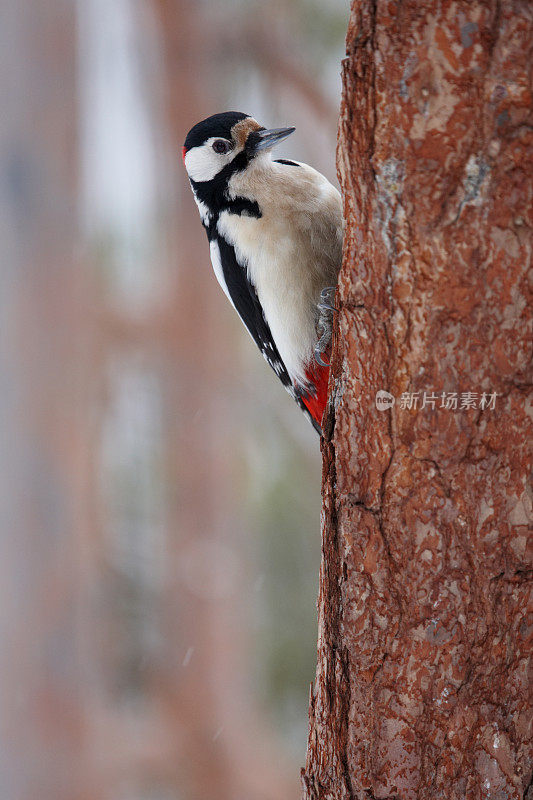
column 421, row 687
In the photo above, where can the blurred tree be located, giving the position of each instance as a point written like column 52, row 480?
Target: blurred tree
column 140, row 593
column 421, row 685
column 41, row 452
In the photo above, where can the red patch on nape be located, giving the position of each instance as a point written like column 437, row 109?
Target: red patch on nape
column 319, row 377
column 183, row 153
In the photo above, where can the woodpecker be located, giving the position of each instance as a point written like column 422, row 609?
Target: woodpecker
column 275, row 236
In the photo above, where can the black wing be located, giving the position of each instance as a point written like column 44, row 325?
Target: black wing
column 244, row 298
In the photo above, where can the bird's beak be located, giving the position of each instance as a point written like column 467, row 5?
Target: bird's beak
column 264, row 140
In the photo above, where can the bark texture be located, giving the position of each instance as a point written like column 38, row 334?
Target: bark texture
column 422, row 683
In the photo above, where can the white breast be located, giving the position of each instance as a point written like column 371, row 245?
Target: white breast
column 291, row 252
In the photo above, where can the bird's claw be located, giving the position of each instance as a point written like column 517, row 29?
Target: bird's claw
column 326, row 308
column 318, row 356
column 327, row 299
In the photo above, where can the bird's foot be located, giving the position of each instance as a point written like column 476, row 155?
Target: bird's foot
column 326, row 307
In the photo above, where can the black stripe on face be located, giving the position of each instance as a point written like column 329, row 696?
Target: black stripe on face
column 213, row 192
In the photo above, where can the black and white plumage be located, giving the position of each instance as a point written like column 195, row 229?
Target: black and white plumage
column 275, row 236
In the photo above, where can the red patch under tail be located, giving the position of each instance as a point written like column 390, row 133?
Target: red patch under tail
column 316, row 403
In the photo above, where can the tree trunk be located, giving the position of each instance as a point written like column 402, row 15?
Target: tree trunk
column 421, row 686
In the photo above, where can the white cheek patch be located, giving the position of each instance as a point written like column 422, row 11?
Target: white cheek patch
column 202, row 163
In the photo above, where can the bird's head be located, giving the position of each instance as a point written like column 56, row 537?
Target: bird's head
column 226, row 143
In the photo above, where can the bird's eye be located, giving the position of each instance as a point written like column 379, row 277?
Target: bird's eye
column 221, row 146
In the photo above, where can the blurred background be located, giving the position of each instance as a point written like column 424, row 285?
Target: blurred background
column 159, row 492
